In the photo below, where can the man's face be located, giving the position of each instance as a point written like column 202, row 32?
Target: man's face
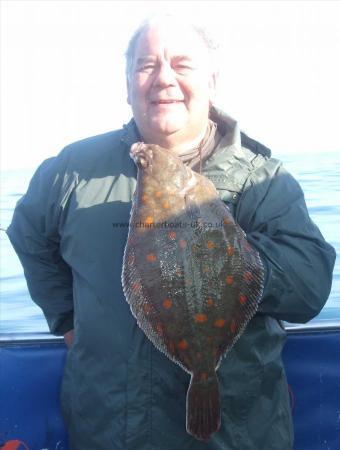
column 170, row 85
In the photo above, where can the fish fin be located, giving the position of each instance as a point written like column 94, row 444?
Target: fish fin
column 203, row 407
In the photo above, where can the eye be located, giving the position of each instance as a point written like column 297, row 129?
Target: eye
column 147, row 67
column 183, row 68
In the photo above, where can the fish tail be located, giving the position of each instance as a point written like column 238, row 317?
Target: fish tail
column 203, row 406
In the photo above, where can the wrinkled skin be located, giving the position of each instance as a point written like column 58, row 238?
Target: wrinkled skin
column 192, row 280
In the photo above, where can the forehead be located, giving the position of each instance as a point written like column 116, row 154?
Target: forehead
column 171, row 41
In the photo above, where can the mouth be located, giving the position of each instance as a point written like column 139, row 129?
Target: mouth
column 166, row 102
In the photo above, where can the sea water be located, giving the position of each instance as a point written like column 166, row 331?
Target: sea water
column 318, row 174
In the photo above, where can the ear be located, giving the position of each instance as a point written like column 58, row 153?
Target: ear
column 128, row 87
column 212, row 86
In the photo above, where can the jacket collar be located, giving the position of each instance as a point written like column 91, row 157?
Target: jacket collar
column 130, row 133
column 227, row 126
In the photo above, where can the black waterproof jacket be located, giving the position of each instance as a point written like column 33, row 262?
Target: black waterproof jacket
column 119, row 392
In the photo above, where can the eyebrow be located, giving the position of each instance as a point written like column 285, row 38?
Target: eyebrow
column 145, row 59
column 182, row 58
column 152, row 58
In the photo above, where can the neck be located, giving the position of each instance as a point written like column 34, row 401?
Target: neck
column 176, row 143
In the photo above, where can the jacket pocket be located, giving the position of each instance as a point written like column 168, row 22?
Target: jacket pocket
column 240, row 385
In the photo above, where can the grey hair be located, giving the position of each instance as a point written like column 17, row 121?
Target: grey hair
column 202, row 31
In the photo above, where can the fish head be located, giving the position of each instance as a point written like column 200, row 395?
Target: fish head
column 162, row 165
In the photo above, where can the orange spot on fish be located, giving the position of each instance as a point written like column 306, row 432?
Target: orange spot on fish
column 206, row 269
column 242, row 299
column 229, row 279
column 210, row 244
column 248, row 276
column 230, row 250
column 151, row 257
column 219, row 323
column 226, row 221
column 204, row 376
column 201, row 318
column 233, row 326
column 167, row 303
column 149, row 220
column 144, row 198
column 182, row 243
column 172, row 235
column 165, row 205
column 183, row 344
column 210, row 302
column 158, row 194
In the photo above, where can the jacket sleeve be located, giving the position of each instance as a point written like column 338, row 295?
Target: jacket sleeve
column 35, row 238
column 297, row 260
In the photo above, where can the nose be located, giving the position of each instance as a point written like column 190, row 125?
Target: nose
column 165, row 75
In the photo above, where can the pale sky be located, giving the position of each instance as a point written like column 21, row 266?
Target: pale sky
column 62, row 71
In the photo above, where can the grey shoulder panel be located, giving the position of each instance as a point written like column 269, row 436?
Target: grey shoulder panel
column 231, row 168
column 255, row 146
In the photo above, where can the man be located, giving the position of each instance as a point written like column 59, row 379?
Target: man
column 119, row 392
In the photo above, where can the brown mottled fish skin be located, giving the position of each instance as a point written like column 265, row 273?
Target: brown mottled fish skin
column 192, row 280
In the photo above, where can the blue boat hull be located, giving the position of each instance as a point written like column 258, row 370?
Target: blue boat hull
column 31, row 372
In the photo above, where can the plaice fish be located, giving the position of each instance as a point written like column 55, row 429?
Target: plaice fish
column 192, row 280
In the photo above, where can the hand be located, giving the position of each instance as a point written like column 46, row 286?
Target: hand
column 68, row 338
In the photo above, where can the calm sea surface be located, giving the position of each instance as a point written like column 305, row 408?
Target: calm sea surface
column 319, row 176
